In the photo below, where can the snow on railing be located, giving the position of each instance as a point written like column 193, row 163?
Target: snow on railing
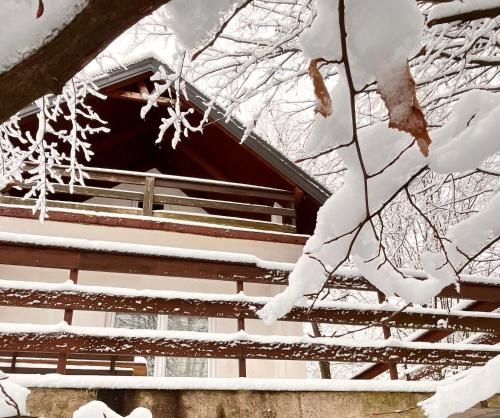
column 65, row 347
column 216, row 202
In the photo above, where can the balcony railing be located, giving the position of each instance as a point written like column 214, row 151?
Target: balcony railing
column 216, row 202
column 70, row 342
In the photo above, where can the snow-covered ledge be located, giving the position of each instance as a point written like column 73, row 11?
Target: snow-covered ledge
column 54, row 396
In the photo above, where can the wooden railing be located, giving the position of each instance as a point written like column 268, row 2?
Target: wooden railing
column 69, row 341
column 223, row 203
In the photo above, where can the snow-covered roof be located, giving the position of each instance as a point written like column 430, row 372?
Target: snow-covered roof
column 123, row 71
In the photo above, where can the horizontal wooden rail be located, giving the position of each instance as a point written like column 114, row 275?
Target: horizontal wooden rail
column 219, row 202
column 53, row 256
column 86, row 298
column 112, row 262
column 77, row 364
column 178, row 344
column 377, row 369
column 222, row 205
column 184, row 183
column 185, row 216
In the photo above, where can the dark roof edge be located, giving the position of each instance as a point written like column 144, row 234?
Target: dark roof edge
column 254, row 142
column 258, row 145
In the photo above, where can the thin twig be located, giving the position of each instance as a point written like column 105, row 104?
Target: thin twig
column 222, row 28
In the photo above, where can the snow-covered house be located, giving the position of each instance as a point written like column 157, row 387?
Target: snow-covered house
column 213, row 217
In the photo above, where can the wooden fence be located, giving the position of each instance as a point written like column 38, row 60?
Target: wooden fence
column 21, row 341
column 224, row 203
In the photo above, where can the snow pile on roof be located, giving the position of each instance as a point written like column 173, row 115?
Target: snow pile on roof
column 98, row 409
column 21, row 32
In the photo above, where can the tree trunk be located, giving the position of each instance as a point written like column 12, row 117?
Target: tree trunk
column 49, row 67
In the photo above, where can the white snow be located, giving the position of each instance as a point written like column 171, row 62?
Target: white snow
column 141, row 249
column 322, row 38
column 470, row 135
column 374, row 50
column 17, row 392
column 240, row 336
column 70, row 287
column 21, row 32
column 341, row 216
column 453, row 8
column 96, row 409
column 207, row 15
column 458, row 396
column 185, row 383
column 158, row 219
column 336, row 129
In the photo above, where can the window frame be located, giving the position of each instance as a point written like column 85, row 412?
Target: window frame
column 160, row 363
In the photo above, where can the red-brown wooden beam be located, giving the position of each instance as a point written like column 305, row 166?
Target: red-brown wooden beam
column 68, row 342
column 37, row 255
column 115, row 262
column 428, row 336
column 434, row 372
column 79, row 298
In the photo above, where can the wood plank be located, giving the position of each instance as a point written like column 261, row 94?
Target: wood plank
column 250, row 232
column 225, row 221
column 183, row 183
column 182, row 216
column 70, row 342
column 171, row 199
column 223, row 205
column 96, row 192
column 116, row 262
column 149, row 191
column 430, row 336
column 59, row 204
column 69, row 371
column 84, row 298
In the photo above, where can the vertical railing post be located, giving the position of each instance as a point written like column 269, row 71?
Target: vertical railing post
column 149, row 194
column 242, row 363
column 324, row 366
column 62, row 358
column 393, row 371
column 13, row 363
column 298, row 194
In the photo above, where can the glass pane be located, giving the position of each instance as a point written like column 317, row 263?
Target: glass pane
column 187, row 323
column 138, row 321
column 182, row 366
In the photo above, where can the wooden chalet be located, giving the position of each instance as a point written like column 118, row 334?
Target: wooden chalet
column 163, row 242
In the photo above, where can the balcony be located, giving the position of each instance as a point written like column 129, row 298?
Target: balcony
column 177, row 198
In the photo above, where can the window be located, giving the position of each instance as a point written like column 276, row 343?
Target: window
column 138, row 321
column 183, row 366
column 168, row 366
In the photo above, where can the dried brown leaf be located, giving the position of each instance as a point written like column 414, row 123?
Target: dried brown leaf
column 400, row 97
column 40, row 9
column 324, row 102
